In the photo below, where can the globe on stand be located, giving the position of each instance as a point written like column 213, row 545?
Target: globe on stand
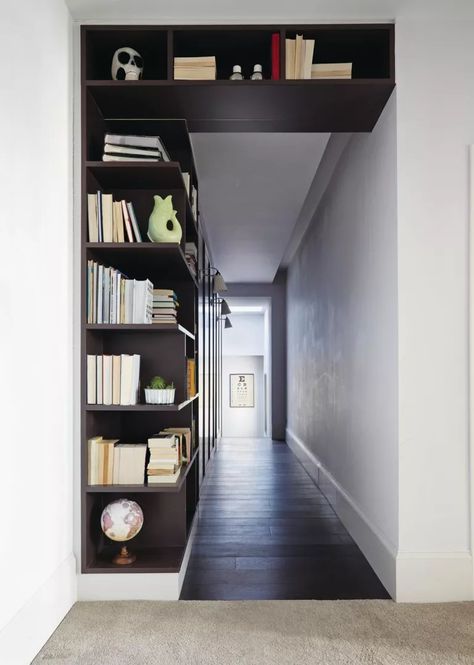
column 121, row 520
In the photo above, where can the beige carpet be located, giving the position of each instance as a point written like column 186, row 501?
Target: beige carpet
column 373, row 632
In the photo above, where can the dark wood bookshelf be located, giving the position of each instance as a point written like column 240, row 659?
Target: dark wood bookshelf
column 139, row 327
column 222, row 105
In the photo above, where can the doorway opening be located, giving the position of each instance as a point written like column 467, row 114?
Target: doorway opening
column 246, row 370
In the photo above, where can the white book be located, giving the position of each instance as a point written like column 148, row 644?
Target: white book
column 132, row 464
column 107, row 379
column 308, row 57
column 116, row 375
column 93, row 460
column 99, row 388
column 113, row 299
column 106, row 303
column 117, row 459
column 133, row 220
column 91, row 379
column 100, row 294
column 92, row 218
column 128, row 301
column 135, row 379
column 126, row 373
column 332, row 70
column 112, row 149
column 94, row 292
column 118, row 158
column 118, row 222
column 107, row 218
column 118, row 294
column 161, row 480
column 142, row 301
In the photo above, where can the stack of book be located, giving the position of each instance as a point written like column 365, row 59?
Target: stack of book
column 185, row 436
column 113, row 463
column 191, row 377
column 165, row 458
column 299, row 57
column 332, row 70
column 111, row 298
column 113, row 380
column 165, row 306
column 111, row 221
column 197, row 69
column 191, row 254
column 131, row 148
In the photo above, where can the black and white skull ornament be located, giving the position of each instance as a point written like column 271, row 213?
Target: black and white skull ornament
column 127, row 64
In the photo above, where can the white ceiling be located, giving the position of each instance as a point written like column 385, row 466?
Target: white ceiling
column 265, row 11
column 251, row 190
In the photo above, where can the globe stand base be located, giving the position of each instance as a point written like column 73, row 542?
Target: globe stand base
column 124, row 558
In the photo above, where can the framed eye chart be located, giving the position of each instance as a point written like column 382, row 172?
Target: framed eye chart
column 242, row 391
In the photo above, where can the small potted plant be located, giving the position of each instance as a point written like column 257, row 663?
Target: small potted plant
column 159, row 391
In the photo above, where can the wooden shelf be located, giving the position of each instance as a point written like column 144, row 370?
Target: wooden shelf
column 149, row 560
column 139, row 327
column 141, row 407
column 142, row 260
column 311, row 106
column 128, row 489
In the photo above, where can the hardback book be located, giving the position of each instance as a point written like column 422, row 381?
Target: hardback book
column 99, row 380
column 107, row 218
column 131, row 151
column 308, row 58
column 126, row 378
column 92, row 220
column 334, row 70
column 126, row 158
column 195, row 68
column 91, row 379
column 133, row 220
column 129, row 464
column 163, row 479
column 100, row 460
column 290, row 47
column 127, row 221
column 116, row 371
column 186, row 439
column 118, row 231
column 107, row 379
column 299, row 56
column 275, row 56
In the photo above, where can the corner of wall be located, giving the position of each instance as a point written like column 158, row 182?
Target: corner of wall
column 32, row 626
column 434, row 577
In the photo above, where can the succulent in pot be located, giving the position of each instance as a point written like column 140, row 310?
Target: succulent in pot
column 159, row 391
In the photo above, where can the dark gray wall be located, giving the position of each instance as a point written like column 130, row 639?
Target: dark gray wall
column 277, row 292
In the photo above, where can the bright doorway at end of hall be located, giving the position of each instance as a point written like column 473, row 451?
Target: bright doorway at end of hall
column 246, row 369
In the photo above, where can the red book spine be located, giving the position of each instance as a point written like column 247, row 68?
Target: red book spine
column 275, row 56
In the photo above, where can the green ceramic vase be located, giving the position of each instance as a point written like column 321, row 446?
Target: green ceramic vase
column 163, row 225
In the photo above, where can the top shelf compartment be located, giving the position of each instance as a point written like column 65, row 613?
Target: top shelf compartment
column 369, row 47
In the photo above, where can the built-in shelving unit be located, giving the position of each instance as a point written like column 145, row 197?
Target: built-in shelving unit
column 148, row 107
column 223, row 105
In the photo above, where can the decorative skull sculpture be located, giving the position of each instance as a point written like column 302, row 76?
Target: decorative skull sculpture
column 127, row 64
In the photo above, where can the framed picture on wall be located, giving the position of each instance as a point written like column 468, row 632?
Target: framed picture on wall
column 242, row 391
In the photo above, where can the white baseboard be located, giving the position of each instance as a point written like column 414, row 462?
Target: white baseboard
column 139, row 586
column 379, row 552
column 416, row 577
column 434, row 577
column 31, row 627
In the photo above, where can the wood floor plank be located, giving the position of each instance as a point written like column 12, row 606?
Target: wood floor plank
column 266, row 531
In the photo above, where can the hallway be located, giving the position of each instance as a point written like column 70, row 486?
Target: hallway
column 265, row 531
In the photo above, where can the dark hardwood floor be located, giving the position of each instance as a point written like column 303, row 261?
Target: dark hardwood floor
column 265, row 531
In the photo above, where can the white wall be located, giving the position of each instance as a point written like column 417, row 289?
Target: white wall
column 342, row 343
column 248, row 421
column 244, row 347
column 37, row 576
column 246, row 337
column 435, row 108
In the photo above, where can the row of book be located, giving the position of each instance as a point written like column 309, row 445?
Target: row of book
column 113, row 379
column 191, row 255
column 191, row 192
column 299, row 62
column 111, row 221
column 112, row 298
column 131, row 148
column 168, row 451
column 110, row 462
column 114, row 463
column 164, row 306
column 195, row 68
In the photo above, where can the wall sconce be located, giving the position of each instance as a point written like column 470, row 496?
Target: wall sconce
column 225, row 309
column 218, row 283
